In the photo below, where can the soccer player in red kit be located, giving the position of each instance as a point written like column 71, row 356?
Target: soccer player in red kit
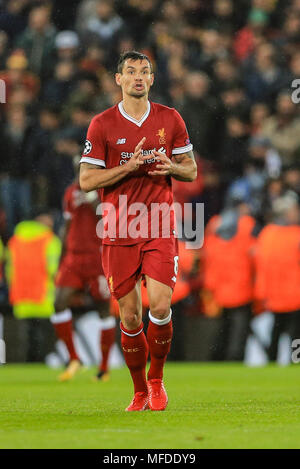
column 81, row 268
column 131, row 152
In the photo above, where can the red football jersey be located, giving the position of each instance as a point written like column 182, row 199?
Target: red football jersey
column 111, row 139
column 82, row 237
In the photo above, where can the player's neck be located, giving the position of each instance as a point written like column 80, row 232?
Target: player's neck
column 135, row 107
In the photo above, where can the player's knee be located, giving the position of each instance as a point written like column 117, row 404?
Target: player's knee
column 63, row 299
column 131, row 318
column 60, row 305
column 104, row 314
column 160, row 310
column 103, row 310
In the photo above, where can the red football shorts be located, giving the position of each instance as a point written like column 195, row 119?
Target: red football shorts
column 80, row 271
column 124, row 265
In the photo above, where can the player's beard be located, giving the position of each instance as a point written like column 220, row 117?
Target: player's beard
column 134, row 94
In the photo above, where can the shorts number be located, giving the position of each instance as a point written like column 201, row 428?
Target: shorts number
column 176, row 264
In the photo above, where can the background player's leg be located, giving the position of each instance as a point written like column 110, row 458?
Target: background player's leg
column 134, row 345
column 160, row 331
column 107, row 338
column 62, row 323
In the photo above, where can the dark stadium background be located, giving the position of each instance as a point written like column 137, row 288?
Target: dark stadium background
column 227, row 66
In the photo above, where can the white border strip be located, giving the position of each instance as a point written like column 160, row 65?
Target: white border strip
column 178, row 151
column 86, row 159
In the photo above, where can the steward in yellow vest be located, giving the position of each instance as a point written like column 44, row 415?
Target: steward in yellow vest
column 33, row 254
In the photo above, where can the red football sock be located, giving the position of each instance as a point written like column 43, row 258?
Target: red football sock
column 135, row 350
column 107, row 340
column 159, row 339
column 62, row 323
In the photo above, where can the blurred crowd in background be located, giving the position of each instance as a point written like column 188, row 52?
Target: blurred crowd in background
column 227, row 66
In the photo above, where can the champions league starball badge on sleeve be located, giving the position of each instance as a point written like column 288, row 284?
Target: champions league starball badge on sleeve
column 87, row 147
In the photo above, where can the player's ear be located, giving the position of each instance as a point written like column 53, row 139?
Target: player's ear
column 152, row 78
column 118, row 78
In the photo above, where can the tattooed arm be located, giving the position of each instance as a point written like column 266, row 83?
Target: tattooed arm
column 183, row 168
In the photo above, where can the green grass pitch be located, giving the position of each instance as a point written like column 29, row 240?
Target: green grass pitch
column 210, row 406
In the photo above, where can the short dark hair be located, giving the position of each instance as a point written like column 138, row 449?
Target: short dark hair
column 133, row 55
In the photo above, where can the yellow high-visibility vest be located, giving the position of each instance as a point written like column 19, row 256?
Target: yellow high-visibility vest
column 33, row 255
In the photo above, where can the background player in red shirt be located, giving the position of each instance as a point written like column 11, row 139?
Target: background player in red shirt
column 132, row 150
column 81, row 268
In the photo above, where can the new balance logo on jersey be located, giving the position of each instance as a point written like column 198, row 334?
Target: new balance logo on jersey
column 121, row 141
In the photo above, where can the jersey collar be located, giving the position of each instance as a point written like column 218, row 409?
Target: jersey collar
column 131, row 119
